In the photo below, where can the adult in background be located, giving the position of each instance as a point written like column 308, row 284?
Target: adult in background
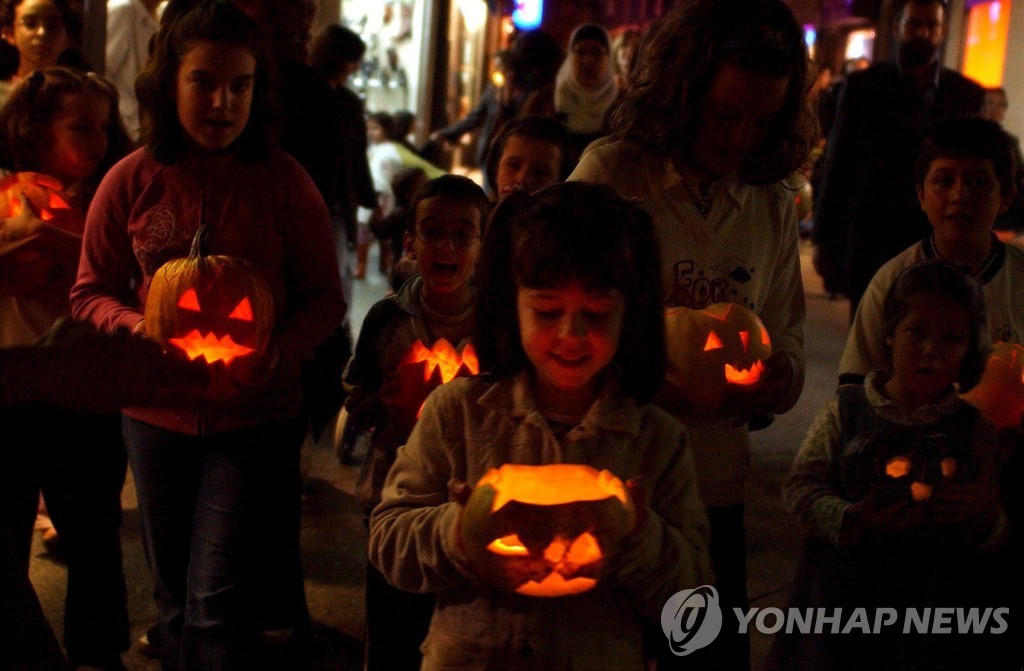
column 131, row 25
column 1011, row 222
column 335, row 55
column 584, row 90
column 713, row 121
column 866, row 210
column 499, row 103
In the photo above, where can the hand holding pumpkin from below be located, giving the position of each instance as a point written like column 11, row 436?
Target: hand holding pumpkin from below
column 870, row 517
column 958, row 503
column 543, row 531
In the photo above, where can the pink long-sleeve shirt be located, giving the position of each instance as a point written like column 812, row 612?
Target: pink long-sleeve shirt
column 267, row 212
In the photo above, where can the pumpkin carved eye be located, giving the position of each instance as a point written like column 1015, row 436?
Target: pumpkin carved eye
column 189, row 301
column 713, row 342
column 897, row 467
column 242, row 311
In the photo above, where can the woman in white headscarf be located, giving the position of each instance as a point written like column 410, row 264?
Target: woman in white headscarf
column 584, row 89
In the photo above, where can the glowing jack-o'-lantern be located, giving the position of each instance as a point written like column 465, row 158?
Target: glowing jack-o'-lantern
column 544, row 531
column 916, row 468
column 1000, row 393
column 708, row 350
column 424, row 369
column 41, row 236
column 211, row 308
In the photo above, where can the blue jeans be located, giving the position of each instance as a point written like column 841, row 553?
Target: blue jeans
column 206, row 503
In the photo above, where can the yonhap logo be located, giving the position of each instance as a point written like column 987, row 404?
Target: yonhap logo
column 691, row 619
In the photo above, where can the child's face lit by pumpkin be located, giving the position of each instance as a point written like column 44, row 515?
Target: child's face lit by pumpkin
column 735, row 118
column 928, row 347
column 570, row 334
column 78, row 138
column 443, row 227
column 214, row 93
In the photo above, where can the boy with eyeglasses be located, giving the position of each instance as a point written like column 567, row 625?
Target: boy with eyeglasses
column 446, row 220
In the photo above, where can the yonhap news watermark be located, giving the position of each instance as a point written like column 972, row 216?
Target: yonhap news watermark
column 692, row 619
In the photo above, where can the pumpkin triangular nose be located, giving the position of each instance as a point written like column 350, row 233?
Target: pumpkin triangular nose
column 745, row 337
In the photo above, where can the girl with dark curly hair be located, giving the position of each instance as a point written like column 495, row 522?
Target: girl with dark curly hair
column 712, row 121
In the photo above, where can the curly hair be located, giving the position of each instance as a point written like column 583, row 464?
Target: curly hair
column 676, row 63
column 935, row 277
column 215, row 21
column 28, row 115
column 566, row 232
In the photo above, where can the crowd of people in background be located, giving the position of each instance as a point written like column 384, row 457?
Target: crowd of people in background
column 637, row 170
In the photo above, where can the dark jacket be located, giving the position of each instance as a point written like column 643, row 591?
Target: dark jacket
column 867, row 209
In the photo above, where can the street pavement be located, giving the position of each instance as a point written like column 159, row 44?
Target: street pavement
column 334, row 536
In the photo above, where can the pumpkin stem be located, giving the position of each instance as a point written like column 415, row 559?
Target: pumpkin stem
column 199, row 242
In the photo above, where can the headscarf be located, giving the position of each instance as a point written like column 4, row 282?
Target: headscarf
column 584, row 109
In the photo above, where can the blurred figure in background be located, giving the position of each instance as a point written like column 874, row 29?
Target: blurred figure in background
column 131, row 24
column 584, row 90
column 1010, row 224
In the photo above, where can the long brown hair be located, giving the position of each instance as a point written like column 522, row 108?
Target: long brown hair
column 677, row 61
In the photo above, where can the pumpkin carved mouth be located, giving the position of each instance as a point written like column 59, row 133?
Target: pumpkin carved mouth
column 210, row 347
column 545, row 531
column 744, row 376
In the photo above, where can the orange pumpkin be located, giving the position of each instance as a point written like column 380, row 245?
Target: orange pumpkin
column 41, row 239
column 1000, row 393
column 913, row 467
column 214, row 308
column 708, row 350
column 424, row 369
column 544, row 531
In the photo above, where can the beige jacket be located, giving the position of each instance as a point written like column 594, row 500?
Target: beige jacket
column 474, row 424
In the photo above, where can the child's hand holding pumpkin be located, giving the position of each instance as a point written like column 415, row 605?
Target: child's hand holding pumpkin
column 957, row 503
column 871, row 517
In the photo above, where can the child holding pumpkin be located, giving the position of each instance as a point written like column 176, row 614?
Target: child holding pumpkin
column 712, row 122
column 897, row 477
column 570, row 337
column 217, row 470
column 59, row 133
column 444, row 225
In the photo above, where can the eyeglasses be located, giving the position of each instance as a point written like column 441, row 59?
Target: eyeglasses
column 34, row 23
column 460, row 238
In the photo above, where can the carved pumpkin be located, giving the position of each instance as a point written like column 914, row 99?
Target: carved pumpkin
column 708, row 350
column 915, row 469
column 42, row 236
column 422, row 370
column 1000, row 393
column 213, row 308
column 544, row 531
